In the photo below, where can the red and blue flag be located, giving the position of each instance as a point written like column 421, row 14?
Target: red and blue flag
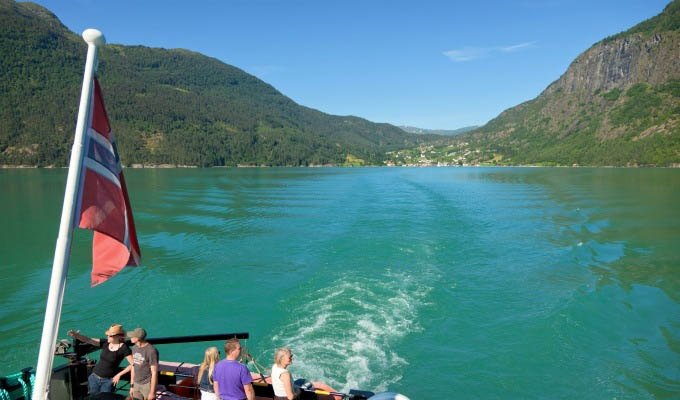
column 103, row 204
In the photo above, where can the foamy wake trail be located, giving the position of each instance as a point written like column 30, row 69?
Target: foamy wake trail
column 344, row 333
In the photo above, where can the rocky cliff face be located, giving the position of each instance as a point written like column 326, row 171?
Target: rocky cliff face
column 622, row 63
column 618, row 103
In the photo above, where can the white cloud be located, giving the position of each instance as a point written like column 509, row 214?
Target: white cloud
column 466, row 54
column 473, row 53
column 517, row 47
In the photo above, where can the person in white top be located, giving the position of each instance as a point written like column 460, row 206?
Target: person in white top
column 282, row 380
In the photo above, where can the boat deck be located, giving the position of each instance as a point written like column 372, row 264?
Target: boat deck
column 176, row 381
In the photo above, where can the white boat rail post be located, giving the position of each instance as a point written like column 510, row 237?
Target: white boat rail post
column 62, row 253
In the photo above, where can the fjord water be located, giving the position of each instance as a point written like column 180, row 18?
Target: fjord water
column 437, row 283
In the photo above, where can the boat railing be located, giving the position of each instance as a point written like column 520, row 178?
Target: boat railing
column 81, row 349
column 69, row 381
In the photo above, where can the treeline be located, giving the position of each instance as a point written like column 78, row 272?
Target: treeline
column 627, row 121
column 668, row 20
column 638, row 126
column 165, row 106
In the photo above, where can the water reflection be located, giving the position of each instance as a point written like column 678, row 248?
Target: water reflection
column 621, row 225
column 501, row 282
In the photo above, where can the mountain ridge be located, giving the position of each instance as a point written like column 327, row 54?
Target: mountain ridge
column 167, row 106
column 442, row 132
column 617, row 103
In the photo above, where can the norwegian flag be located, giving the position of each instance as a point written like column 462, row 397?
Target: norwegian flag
column 103, row 204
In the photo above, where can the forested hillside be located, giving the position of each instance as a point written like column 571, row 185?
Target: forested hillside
column 617, row 104
column 441, row 132
column 166, row 106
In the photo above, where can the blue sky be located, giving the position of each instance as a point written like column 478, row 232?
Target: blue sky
column 430, row 64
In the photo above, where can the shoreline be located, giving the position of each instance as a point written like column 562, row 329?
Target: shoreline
column 173, row 166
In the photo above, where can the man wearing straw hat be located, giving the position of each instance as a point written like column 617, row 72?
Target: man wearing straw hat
column 144, row 367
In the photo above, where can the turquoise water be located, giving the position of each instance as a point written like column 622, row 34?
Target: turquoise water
column 437, row 283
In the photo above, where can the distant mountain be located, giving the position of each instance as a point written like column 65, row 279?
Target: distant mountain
column 166, row 106
column 618, row 103
column 442, row 132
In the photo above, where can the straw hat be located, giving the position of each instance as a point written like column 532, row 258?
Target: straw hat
column 115, row 329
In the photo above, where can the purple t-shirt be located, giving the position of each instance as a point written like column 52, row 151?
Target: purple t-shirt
column 230, row 376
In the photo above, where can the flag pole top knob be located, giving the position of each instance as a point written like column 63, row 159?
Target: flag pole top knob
column 95, row 37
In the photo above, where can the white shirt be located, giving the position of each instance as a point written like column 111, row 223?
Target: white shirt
column 279, row 390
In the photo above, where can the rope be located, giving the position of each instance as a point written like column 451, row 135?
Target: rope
column 259, row 367
column 26, row 388
column 10, row 383
column 245, row 355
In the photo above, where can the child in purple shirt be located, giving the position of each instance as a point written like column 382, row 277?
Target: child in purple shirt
column 231, row 379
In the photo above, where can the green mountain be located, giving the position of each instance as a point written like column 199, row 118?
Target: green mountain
column 165, row 106
column 617, row 104
column 442, row 132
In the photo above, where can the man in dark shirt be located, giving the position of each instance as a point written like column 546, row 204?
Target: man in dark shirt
column 144, row 367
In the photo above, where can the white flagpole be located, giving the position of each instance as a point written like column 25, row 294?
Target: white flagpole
column 62, row 253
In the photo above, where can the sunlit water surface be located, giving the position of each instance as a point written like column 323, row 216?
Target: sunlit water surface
column 438, row 283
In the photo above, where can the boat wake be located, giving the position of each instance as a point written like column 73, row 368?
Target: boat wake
column 346, row 333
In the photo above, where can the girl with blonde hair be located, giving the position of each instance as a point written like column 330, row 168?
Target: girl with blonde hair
column 205, row 373
column 282, row 380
